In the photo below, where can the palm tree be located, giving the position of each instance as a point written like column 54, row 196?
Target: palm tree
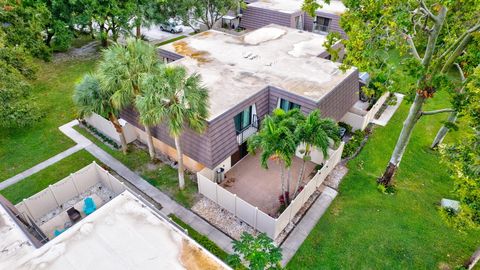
column 176, row 99
column 276, row 139
column 315, row 132
column 90, row 98
column 120, row 72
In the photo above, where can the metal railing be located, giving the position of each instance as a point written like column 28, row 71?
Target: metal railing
column 320, row 28
column 246, row 132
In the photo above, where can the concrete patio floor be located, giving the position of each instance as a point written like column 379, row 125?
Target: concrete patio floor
column 261, row 187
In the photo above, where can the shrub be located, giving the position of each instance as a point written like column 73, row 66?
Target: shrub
column 259, row 252
column 353, row 144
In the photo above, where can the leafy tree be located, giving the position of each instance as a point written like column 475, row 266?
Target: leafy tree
column 16, row 108
column 146, row 12
column 23, row 23
column 207, row 12
column 277, row 140
column 120, row 72
column 89, row 97
column 315, row 132
column 259, row 252
column 60, row 27
column 463, row 160
column 430, row 36
column 178, row 101
column 465, row 65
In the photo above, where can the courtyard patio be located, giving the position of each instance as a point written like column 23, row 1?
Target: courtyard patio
column 262, row 187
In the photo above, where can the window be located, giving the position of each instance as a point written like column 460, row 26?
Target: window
column 287, row 105
column 299, row 22
column 321, row 24
column 243, row 120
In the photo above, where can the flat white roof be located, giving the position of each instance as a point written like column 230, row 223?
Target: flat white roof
column 123, row 234
column 291, row 6
column 234, row 68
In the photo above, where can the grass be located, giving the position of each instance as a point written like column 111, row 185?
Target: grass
column 23, row 148
column 170, row 40
column 201, row 239
column 50, row 175
column 364, row 229
column 160, row 175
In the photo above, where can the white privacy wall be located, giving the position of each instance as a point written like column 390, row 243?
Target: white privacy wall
column 106, row 127
column 358, row 121
column 66, row 189
column 251, row 214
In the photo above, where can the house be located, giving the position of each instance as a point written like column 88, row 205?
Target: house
column 289, row 13
column 247, row 77
column 126, row 232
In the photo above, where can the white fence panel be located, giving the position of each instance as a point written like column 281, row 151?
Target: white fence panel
column 245, row 211
column 64, row 190
column 296, row 204
column 226, row 199
column 309, row 190
column 266, row 224
column 41, row 203
column 85, row 178
column 282, row 221
column 207, row 187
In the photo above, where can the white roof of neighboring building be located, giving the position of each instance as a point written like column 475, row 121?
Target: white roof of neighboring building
column 234, row 68
column 123, row 234
column 291, row 6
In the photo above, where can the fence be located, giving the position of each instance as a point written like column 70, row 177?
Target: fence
column 255, row 217
column 358, row 121
column 66, row 189
column 107, row 128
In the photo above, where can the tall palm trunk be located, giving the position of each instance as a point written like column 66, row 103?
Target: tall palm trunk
column 181, row 176
column 402, row 142
column 119, row 129
column 452, row 118
column 151, row 148
column 302, row 170
column 473, row 260
column 282, row 179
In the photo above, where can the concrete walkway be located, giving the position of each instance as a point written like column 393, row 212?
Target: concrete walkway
column 17, row 178
column 308, row 222
column 389, row 111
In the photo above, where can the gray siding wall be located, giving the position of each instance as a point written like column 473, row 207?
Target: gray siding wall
column 334, row 23
column 194, row 145
column 254, row 18
column 306, row 105
column 338, row 101
column 221, row 131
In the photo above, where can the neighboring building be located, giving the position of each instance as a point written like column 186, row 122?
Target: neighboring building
column 124, row 233
column 247, row 77
column 289, row 13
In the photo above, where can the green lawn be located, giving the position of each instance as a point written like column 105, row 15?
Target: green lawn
column 162, row 176
column 52, row 174
column 23, row 148
column 364, row 229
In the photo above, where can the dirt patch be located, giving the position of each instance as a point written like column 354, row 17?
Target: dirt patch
column 181, row 47
column 193, row 258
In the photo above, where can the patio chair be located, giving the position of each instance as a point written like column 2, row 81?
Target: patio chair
column 58, row 232
column 89, row 206
column 74, row 214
